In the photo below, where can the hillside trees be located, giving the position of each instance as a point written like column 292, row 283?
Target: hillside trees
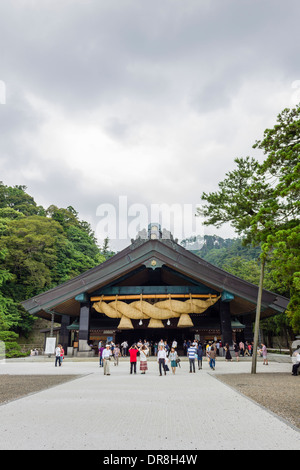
column 40, row 249
column 9, row 317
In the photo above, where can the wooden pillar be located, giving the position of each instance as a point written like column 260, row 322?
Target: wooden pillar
column 64, row 335
column 84, row 326
column 225, row 321
column 248, row 331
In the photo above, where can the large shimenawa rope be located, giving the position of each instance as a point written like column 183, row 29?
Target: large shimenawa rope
column 163, row 310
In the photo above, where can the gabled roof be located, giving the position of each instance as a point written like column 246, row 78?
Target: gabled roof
column 61, row 299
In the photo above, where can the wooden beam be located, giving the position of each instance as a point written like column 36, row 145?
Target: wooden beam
column 153, row 289
column 152, row 296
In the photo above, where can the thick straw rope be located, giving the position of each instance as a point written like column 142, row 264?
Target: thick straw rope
column 142, row 310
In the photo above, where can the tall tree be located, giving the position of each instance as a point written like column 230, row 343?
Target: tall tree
column 262, row 200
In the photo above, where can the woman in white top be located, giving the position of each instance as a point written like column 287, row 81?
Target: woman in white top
column 143, row 359
column 161, row 359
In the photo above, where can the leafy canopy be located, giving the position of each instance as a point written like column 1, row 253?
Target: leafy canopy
column 39, row 249
column 261, row 201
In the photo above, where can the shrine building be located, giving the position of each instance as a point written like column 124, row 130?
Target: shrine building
column 153, row 289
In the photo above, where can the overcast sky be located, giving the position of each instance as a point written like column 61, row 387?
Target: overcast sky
column 135, row 102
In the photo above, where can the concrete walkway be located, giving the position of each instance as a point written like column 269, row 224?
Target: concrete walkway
column 127, row 412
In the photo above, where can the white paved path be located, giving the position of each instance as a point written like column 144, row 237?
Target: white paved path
column 123, row 411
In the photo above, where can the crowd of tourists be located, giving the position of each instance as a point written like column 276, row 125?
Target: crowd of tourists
column 167, row 355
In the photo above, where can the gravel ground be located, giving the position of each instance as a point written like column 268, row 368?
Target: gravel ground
column 17, row 386
column 277, row 392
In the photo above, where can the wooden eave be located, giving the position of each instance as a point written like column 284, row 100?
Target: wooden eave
column 61, row 299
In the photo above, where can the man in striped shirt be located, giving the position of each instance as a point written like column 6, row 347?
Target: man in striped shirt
column 191, row 353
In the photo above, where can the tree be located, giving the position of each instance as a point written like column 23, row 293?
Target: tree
column 16, row 198
column 281, row 145
column 262, row 200
column 32, row 245
column 39, row 249
column 8, row 319
column 239, row 200
column 105, row 251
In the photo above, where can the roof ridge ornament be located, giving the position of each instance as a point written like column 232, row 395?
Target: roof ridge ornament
column 154, row 233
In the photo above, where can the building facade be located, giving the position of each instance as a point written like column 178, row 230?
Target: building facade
column 153, row 289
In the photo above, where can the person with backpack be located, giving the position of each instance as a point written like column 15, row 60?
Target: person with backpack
column 200, row 356
column 212, row 358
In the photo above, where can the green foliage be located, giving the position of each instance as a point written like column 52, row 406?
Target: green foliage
column 261, row 201
column 232, row 256
column 17, row 199
column 239, row 199
column 39, row 249
column 105, row 251
column 12, row 348
column 285, row 268
column 8, row 317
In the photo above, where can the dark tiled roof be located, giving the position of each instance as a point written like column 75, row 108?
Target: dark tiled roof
column 166, row 253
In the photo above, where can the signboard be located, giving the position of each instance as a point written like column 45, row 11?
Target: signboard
column 50, row 345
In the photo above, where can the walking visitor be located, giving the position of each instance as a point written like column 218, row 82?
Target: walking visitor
column 207, row 349
column 101, row 349
column 106, row 355
column 161, row 359
column 124, row 347
column 62, row 354
column 117, row 354
column 228, row 356
column 296, row 364
column 212, row 358
column 200, row 356
column 191, row 352
column 173, row 358
column 57, row 356
column 236, row 351
column 264, row 354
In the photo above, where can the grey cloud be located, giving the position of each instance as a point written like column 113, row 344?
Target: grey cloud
column 135, row 65
column 83, row 54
